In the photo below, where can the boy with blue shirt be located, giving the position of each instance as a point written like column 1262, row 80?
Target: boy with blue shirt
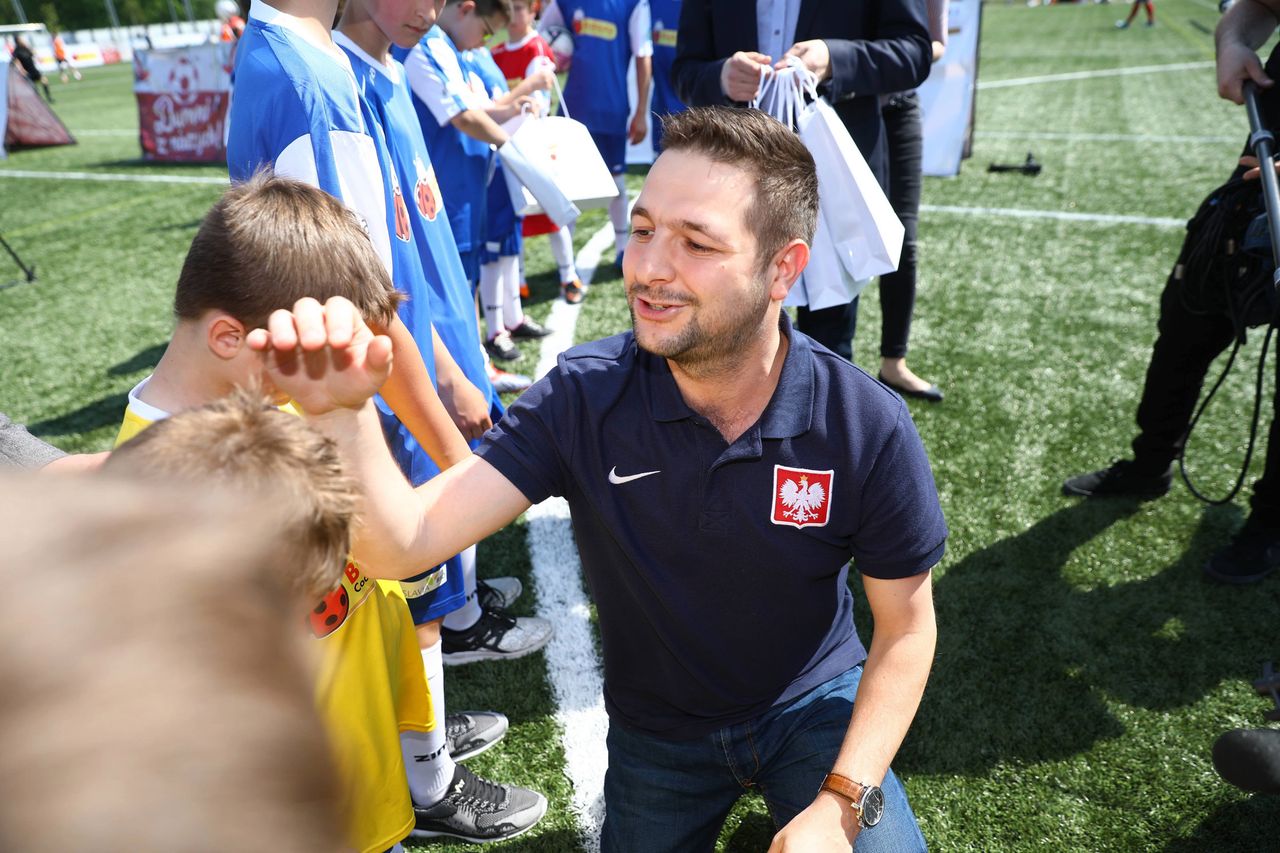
column 721, row 471
column 460, row 122
column 299, row 112
column 364, row 34
column 607, row 34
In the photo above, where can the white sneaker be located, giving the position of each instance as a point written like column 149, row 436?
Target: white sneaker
column 508, row 383
column 495, row 636
column 498, row 593
column 478, row 810
column 470, row 733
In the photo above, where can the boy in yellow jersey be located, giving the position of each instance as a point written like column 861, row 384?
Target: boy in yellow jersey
column 265, row 244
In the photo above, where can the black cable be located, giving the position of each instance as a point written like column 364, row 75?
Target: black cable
column 1253, row 427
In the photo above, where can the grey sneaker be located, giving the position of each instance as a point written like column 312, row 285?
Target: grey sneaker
column 471, row 733
column 498, row 593
column 478, row 810
column 496, row 636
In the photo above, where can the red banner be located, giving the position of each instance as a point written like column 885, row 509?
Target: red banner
column 183, row 95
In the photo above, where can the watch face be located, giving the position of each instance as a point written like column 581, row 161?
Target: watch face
column 872, row 806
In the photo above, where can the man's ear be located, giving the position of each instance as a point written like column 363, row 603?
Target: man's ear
column 787, row 265
column 225, row 335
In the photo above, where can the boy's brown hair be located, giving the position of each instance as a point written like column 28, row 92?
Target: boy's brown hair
column 154, row 697
column 243, row 445
column 785, row 203
column 270, row 241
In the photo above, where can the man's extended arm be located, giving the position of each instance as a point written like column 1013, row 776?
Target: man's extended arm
column 1243, row 29
column 695, row 72
column 893, row 680
column 896, row 59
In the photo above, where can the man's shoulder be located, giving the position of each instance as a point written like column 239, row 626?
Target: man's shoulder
column 615, row 353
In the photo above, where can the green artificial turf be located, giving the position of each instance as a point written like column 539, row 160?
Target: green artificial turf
column 1084, row 668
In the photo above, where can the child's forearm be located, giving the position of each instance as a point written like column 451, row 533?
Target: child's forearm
column 478, row 124
column 412, row 397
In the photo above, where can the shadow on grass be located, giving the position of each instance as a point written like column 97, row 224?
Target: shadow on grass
column 557, row 840
column 1245, row 825
column 95, row 415
column 1025, row 657
column 142, row 360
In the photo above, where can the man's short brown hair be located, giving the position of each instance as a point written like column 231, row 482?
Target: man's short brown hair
column 784, row 206
column 243, row 445
column 270, row 241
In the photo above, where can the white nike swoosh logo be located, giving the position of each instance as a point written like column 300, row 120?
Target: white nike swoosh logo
column 617, row 481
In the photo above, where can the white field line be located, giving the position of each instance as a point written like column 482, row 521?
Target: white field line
column 1106, row 137
column 572, row 666
column 1089, row 75
column 105, row 132
column 210, row 180
column 1061, row 215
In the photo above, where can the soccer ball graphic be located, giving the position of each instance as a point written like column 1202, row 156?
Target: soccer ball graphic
column 560, row 40
column 184, row 81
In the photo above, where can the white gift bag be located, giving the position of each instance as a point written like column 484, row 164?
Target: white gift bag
column 531, row 184
column 858, row 234
column 563, row 150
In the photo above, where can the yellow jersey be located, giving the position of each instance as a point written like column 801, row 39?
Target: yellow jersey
column 370, row 686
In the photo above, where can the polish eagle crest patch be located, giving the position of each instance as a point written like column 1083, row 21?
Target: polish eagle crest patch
column 801, row 498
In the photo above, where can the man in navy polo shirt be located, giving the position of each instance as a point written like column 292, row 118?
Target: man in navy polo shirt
column 722, row 470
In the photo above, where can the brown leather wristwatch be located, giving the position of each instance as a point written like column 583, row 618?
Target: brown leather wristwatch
column 867, row 801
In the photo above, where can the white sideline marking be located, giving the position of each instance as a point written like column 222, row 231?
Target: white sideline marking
column 1061, row 215
column 115, row 176
column 105, row 132
column 1105, row 137
column 1088, row 75
column 572, row 666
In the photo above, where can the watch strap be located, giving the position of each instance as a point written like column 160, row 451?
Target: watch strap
column 845, row 787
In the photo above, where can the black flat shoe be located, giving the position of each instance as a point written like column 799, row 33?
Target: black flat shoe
column 932, row 394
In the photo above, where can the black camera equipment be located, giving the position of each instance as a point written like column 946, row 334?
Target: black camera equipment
column 1230, row 268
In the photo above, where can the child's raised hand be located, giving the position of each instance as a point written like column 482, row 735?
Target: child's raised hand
column 323, row 356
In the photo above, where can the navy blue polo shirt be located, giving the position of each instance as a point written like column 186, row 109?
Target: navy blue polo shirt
column 719, row 570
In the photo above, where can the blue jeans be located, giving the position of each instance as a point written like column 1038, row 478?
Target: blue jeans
column 668, row 796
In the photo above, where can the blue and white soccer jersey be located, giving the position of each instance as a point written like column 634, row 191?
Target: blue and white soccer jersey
column 443, row 88
column 606, row 34
column 666, row 22
column 387, row 92
column 297, row 112
column 502, row 227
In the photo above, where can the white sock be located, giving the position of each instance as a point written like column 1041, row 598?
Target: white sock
column 469, row 613
column 491, row 296
column 512, row 312
column 562, row 251
column 427, row 761
column 618, row 215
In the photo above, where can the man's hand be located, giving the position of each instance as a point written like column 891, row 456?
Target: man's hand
column 1237, row 63
column 741, row 74
column 468, row 407
column 815, row 55
column 826, row 826
column 639, row 126
column 1251, row 164
column 323, row 356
